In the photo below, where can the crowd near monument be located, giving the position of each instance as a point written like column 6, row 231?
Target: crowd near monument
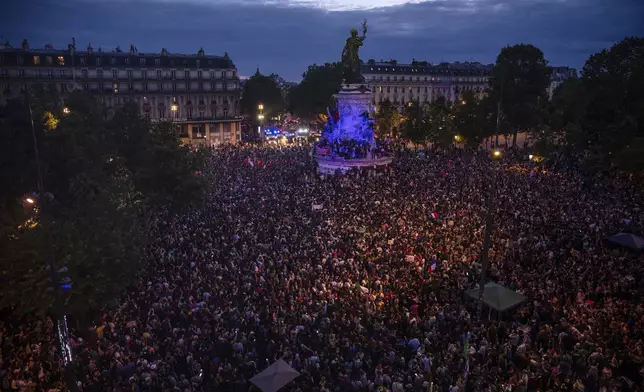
column 348, row 140
column 245, row 267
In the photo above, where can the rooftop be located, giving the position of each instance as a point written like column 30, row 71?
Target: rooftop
column 457, row 68
column 219, row 61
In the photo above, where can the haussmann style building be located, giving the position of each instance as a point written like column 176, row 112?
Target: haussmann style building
column 423, row 82
column 198, row 92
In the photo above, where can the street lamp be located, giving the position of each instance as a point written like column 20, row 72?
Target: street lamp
column 66, row 110
column 30, row 200
column 260, row 117
column 489, row 221
column 530, row 156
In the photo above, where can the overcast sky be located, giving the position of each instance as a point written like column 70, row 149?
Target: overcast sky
column 285, row 36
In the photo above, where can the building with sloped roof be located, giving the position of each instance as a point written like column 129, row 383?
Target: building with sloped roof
column 198, row 92
column 424, row 82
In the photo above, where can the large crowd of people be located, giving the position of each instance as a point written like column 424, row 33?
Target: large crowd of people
column 352, row 149
column 358, row 282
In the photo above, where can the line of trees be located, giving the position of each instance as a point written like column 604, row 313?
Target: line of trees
column 599, row 115
column 104, row 175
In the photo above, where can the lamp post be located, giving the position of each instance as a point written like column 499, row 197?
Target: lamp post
column 489, row 221
column 61, row 317
column 174, row 108
column 260, row 117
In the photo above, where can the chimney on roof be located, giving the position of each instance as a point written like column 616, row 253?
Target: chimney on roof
column 49, row 47
column 25, row 44
column 132, row 50
column 90, row 50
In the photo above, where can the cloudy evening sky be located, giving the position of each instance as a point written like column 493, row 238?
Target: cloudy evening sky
column 285, row 36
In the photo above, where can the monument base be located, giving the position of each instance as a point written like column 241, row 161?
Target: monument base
column 353, row 109
column 331, row 165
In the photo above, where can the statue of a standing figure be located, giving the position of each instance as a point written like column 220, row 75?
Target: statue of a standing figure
column 350, row 57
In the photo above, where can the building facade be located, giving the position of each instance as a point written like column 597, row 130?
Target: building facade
column 200, row 93
column 423, row 82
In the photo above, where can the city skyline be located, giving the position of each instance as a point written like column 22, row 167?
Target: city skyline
column 285, row 36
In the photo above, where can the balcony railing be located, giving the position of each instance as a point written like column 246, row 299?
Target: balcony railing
column 199, row 120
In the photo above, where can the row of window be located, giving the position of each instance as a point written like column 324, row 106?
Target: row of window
column 98, row 61
column 49, row 60
column 61, row 73
column 189, row 113
column 426, row 79
column 100, row 74
column 388, row 89
column 8, row 90
column 160, row 74
column 169, row 101
column 150, row 87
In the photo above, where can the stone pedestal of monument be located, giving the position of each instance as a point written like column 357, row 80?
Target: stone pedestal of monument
column 353, row 107
column 353, row 102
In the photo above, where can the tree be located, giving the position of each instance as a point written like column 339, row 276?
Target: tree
column 440, row 124
column 563, row 115
column 105, row 177
column 171, row 173
column 92, row 229
column 471, row 121
column 415, row 128
column 601, row 114
column 315, row 93
column 260, row 89
column 519, row 81
column 387, row 119
column 613, row 87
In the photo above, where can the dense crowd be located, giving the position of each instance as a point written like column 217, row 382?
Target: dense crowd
column 358, row 283
column 352, row 149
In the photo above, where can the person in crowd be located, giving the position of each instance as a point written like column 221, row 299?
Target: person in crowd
column 366, row 293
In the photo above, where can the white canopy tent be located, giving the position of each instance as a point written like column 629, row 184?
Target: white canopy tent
column 275, row 376
column 627, row 240
column 497, row 297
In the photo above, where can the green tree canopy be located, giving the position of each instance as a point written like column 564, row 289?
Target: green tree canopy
column 104, row 175
column 314, row 94
column 260, row 89
column 387, row 119
column 519, row 81
column 613, row 90
column 414, row 126
column 471, row 120
column 440, row 123
column 602, row 113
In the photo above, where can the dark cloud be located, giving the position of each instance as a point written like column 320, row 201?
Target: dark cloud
column 286, row 39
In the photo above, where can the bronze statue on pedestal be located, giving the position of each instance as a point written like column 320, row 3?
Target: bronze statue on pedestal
column 351, row 58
